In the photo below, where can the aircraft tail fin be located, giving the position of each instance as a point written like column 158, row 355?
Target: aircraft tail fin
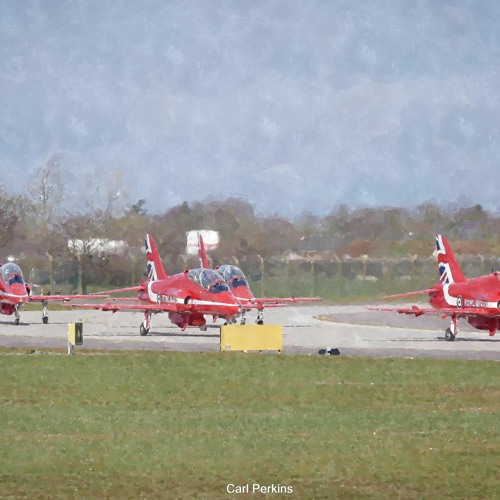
column 449, row 270
column 155, row 270
column 202, row 253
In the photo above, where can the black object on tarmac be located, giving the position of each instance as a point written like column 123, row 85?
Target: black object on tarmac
column 332, row 351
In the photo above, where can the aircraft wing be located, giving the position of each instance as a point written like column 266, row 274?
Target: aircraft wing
column 114, row 307
column 447, row 311
column 136, row 305
column 62, row 298
column 409, row 294
column 281, row 301
column 121, row 290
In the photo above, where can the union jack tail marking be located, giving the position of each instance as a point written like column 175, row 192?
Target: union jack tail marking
column 449, row 270
column 155, row 269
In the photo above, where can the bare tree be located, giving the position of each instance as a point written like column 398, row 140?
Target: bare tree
column 8, row 217
column 109, row 194
column 83, row 233
column 46, row 188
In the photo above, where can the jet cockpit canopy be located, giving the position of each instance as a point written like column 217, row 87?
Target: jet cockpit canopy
column 232, row 275
column 208, row 279
column 11, row 273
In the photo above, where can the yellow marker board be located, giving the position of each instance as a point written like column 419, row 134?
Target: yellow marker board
column 75, row 333
column 251, row 338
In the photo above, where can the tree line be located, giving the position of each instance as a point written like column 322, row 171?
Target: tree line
column 35, row 229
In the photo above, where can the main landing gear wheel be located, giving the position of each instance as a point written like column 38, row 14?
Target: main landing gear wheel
column 45, row 320
column 143, row 331
column 448, row 335
column 16, row 321
column 260, row 318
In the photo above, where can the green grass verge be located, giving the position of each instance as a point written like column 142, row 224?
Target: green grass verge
column 178, row 425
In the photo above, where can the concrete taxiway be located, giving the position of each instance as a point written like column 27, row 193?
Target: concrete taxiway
column 352, row 329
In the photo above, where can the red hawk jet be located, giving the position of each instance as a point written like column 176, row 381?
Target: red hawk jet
column 477, row 299
column 186, row 297
column 238, row 284
column 15, row 293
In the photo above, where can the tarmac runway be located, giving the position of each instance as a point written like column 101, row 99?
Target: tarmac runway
column 352, row 329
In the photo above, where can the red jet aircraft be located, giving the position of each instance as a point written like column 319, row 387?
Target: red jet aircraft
column 15, row 292
column 477, row 299
column 186, row 297
column 238, row 284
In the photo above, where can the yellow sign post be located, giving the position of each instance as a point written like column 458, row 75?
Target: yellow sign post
column 251, row 338
column 75, row 336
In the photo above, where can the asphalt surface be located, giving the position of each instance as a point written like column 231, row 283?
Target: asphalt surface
column 352, row 329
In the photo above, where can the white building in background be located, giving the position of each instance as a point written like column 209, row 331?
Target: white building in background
column 97, row 246
column 210, row 240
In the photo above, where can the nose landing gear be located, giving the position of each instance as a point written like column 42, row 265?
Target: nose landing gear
column 260, row 318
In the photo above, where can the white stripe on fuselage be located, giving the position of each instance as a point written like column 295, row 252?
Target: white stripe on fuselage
column 157, row 299
column 13, row 296
column 453, row 301
column 450, row 300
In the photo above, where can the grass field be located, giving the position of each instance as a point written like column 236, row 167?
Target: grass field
column 175, row 425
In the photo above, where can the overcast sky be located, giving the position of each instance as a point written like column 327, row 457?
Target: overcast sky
column 293, row 105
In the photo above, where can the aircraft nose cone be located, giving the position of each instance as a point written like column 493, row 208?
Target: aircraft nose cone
column 230, row 299
column 18, row 293
column 245, row 294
